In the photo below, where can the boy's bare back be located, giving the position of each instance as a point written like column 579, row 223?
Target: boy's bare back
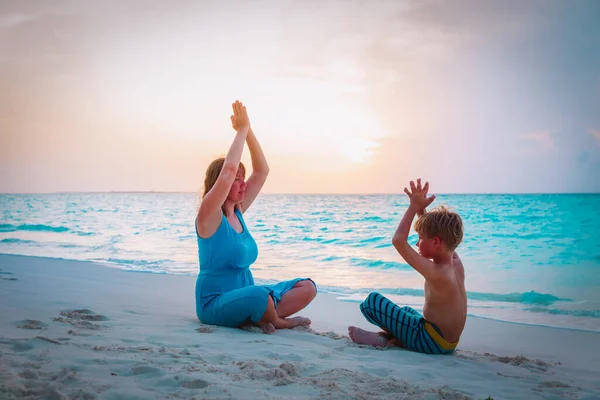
column 446, row 300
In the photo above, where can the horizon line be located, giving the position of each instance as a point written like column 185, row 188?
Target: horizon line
column 297, row 193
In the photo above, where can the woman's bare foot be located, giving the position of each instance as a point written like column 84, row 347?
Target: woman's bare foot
column 361, row 336
column 267, row 328
column 297, row 321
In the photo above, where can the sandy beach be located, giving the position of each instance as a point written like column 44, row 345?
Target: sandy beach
column 71, row 329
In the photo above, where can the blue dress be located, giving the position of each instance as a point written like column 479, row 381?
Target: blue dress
column 225, row 291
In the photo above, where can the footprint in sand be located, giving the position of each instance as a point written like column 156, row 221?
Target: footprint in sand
column 195, row 384
column 524, row 362
column 31, row 324
column 553, row 384
column 47, row 339
column 83, row 314
column 142, row 370
column 560, row 389
column 5, row 276
column 259, row 370
column 517, row 361
column 18, row 345
column 81, row 319
column 289, row 368
column 29, row 374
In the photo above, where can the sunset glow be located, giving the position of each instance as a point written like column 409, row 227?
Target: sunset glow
column 343, row 98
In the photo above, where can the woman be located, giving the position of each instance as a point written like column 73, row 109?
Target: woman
column 225, row 291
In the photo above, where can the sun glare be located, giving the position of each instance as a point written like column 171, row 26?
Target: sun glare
column 291, row 114
column 359, row 150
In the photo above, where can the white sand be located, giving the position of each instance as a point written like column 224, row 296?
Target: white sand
column 80, row 330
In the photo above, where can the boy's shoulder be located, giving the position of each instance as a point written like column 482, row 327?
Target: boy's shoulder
column 452, row 270
column 457, row 262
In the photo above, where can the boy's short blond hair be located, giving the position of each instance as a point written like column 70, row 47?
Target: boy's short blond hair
column 443, row 223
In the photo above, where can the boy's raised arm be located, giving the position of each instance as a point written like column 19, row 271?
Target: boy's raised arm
column 418, row 202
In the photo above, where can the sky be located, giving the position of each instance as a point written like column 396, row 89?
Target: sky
column 344, row 96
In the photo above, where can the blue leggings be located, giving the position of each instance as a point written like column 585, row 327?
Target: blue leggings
column 406, row 324
column 240, row 305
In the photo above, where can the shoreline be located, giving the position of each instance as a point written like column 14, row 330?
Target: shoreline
column 340, row 292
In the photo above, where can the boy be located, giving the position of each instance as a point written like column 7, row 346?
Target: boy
column 445, row 309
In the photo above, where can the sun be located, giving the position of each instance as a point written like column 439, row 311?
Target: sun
column 358, row 150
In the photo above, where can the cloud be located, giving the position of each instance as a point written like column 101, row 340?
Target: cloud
column 595, row 133
column 13, row 19
column 584, row 157
column 466, row 78
column 543, row 139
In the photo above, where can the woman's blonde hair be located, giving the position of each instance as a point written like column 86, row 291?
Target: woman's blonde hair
column 212, row 174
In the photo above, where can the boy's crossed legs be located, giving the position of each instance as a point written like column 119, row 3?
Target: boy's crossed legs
column 403, row 326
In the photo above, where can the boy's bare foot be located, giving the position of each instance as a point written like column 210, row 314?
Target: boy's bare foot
column 395, row 342
column 361, row 336
column 268, row 328
column 298, row 321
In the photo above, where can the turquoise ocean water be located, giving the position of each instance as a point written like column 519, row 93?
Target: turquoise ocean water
column 531, row 259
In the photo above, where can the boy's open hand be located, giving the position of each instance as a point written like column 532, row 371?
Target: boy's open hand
column 418, row 195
